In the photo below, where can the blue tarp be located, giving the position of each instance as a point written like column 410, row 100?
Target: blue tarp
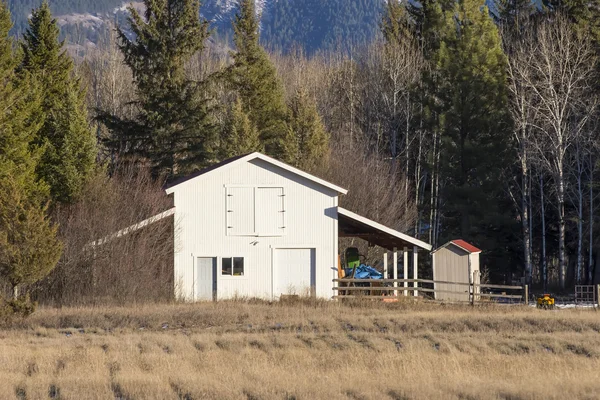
column 364, row 272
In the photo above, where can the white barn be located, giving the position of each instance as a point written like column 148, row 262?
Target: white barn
column 253, row 226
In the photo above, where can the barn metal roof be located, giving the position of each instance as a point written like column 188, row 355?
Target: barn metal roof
column 250, row 157
column 353, row 225
column 469, row 248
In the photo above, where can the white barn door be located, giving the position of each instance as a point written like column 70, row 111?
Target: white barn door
column 270, row 211
column 293, row 272
column 206, row 278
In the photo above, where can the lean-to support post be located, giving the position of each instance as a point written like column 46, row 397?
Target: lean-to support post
column 385, row 265
column 405, row 270
column 395, row 270
column 415, row 270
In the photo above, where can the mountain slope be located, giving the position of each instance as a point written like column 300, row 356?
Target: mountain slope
column 21, row 9
column 310, row 24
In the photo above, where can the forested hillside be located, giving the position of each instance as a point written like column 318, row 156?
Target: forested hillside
column 21, row 9
column 320, row 24
column 311, row 24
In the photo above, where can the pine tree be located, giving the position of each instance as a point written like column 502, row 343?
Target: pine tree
column 254, row 78
column 395, row 24
column 19, row 102
column 69, row 157
column 311, row 137
column 240, row 135
column 28, row 245
column 29, row 248
column 428, row 17
column 174, row 129
column 584, row 13
column 470, row 100
column 513, row 14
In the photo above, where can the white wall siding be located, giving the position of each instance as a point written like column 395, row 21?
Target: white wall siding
column 201, row 207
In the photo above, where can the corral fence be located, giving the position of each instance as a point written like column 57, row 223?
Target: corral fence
column 346, row 288
column 586, row 294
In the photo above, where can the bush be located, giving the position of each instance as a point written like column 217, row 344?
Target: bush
column 21, row 307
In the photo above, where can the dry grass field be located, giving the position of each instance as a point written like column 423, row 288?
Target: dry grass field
column 303, row 350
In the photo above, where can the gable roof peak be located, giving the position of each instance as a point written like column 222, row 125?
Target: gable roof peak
column 253, row 156
column 469, row 248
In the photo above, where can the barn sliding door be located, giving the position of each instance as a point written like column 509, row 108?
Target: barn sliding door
column 293, row 272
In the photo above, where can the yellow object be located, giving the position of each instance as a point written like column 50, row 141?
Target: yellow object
column 545, row 301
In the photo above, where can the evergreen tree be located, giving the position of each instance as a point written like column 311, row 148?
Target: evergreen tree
column 428, row 17
column 395, row 24
column 513, row 14
column 69, row 144
column 311, row 138
column 470, row 101
column 28, row 245
column 29, row 248
column 254, row 78
column 584, row 13
column 240, row 136
column 19, row 103
column 174, row 129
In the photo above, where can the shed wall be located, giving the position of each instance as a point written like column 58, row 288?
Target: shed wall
column 201, row 212
column 451, row 264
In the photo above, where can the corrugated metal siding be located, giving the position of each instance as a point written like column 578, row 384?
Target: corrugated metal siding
column 452, row 265
column 310, row 220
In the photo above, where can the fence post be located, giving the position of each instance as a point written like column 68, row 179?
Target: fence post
column 598, row 296
column 472, row 290
column 476, row 288
column 526, row 295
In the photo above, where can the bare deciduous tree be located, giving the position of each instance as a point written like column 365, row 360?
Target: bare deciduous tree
column 99, row 267
column 556, row 67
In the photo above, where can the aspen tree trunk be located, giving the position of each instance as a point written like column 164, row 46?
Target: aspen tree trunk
column 407, row 134
column 591, row 226
column 544, row 263
column 437, row 197
column 525, row 219
column 418, row 185
column 560, row 197
column 394, row 141
column 433, row 194
column 351, row 100
column 579, row 218
column 529, row 196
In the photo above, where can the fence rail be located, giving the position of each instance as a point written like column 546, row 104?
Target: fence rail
column 393, row 288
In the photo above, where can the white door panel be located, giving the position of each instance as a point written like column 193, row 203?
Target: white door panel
column 269, row 211
column 293, row 272
column 206, row 282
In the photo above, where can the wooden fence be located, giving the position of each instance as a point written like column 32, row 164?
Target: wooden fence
column 391, row 288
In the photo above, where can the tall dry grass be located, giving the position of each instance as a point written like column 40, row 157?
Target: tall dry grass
column 304, row 350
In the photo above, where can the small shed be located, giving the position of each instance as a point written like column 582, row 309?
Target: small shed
column 456, row 261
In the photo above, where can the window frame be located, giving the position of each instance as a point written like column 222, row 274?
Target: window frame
column 232, row 259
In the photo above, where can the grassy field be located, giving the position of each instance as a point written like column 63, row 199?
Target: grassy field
column 254, row 350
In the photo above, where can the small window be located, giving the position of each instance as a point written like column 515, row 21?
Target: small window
column 233, row 266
